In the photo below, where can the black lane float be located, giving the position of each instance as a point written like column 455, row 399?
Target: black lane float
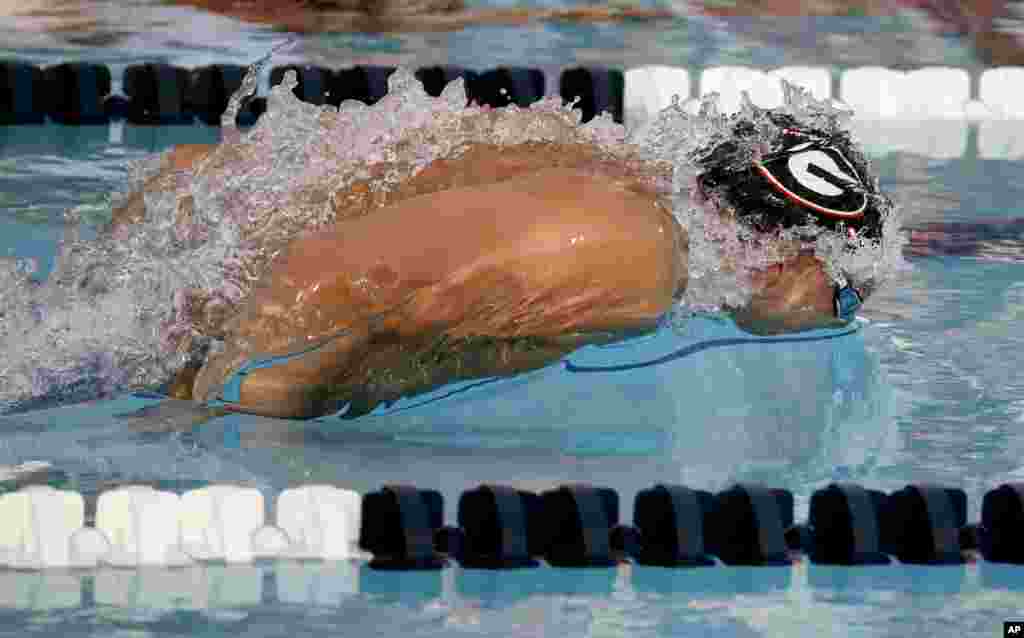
column 158, row 94
column 674, row 526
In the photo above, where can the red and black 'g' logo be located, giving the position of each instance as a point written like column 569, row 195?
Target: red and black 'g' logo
column 816, row 176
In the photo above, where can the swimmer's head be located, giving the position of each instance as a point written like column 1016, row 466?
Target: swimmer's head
column 800, row 175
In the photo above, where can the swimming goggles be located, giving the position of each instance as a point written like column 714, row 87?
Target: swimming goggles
column 846, row 300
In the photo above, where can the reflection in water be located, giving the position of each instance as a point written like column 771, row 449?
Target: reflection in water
column 991, row 240
column 953, row 357
column 316, row 598
column 713, row 582
column 872, row 581
column 922, row 197
column 863, row 601
column 939, row 219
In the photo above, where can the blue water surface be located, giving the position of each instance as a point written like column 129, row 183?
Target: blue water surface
column 927, row 389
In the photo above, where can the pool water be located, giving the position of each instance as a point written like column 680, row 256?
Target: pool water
column 928, row 390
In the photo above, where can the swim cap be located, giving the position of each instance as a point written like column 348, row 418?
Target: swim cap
column 805, row 174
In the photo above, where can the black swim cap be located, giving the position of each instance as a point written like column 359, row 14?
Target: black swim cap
column 806, row 173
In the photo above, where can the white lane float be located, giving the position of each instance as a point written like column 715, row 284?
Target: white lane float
column 198, row 587
column 1001, row 133
column 893, row 109
column 141, row 525
column 38, row 524
column 320, row 522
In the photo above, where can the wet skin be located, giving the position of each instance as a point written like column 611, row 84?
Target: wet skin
column 495, row 263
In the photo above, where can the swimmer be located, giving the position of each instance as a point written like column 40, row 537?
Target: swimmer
column 405, row 17
column 506, row 258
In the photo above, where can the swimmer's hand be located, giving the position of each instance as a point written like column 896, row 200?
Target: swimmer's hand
column 790, row 297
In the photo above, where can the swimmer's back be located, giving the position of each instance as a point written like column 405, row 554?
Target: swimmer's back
column 536, row 246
